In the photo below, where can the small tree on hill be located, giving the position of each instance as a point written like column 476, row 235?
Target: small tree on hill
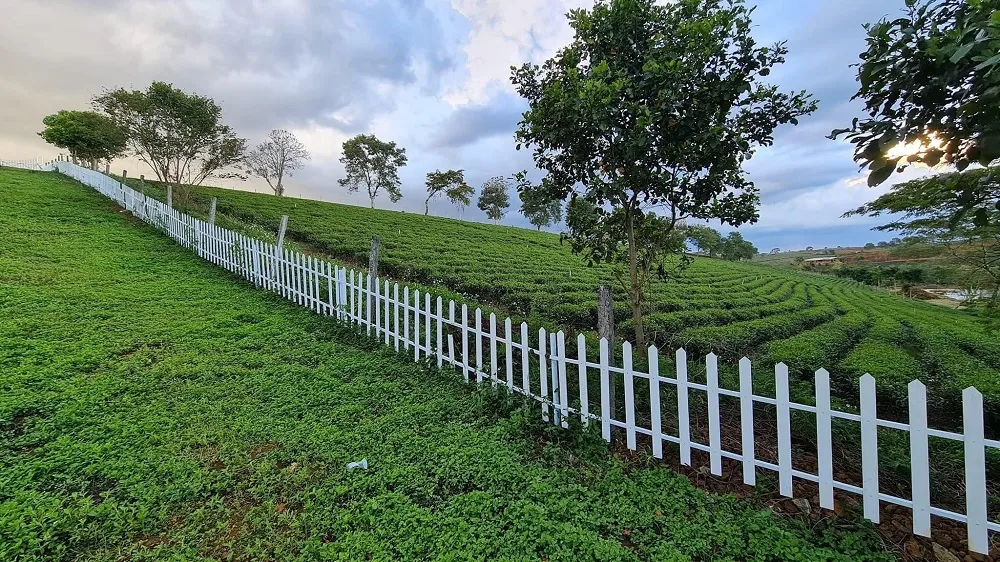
column 494, row 200
column 736, row 248
column 452, row 184
column 650, row 113
column 374, row 164
column 278, row 156
column 539, row 211
column 179, row 135
column 88, row 135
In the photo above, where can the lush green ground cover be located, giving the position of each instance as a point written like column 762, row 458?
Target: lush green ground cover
column 808, row 321
column 154, row 408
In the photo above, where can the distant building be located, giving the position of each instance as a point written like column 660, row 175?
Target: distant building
column 824, row 260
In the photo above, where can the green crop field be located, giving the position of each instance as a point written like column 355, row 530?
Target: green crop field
column 733, row 309
column 155, row 408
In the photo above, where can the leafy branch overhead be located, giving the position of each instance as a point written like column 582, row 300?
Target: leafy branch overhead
column 374, row 165
column 931, row 86
column 647, row 116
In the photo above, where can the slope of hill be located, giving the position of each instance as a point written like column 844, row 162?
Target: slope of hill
column 154, row 409
column 733, row 309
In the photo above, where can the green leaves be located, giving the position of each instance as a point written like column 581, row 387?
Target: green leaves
column 374, row 164
column 86, row 134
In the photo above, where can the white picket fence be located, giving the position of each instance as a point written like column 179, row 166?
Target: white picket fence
column 32, row 164
column 543, row 367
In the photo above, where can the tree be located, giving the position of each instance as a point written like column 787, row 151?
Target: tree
column 869, row 245
column 707, row 239
column 927, row 208
column 775, row 251
column 538, row 210
column 279, row 155
column 373, row 164
column 179, row 135
column 88, row 135
column 809, row 248
column 652, row 109
column 735, row 248
column 452, row 184
column 494, row 200
column 931, row 85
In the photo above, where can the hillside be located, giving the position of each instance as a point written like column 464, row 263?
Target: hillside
column 733, row 309
column 155, row 409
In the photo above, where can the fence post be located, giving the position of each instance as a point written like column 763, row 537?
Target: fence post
column 373, row 257
column 281, row 231
column 211, row 211
column 606, row 330
column 121, row 185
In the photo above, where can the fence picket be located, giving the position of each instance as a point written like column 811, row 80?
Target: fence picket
column 975, row 471
column 869, row 448
column 479, row 345
column 416, row 324
column 525, row 360
column 655, row 422
column 439, row 340
column 683, row 415
column 494, row 360
column 581, row 357
column 563, row 383
column 824, row 439
column 406, row 317
column 387, row 331
column 629, row 395
column 747, row 447
column 543, row 374
column 919, row 459
column 427, row 324
column 784, row 430
column 509, row 352
column 465, row 342
column 395, row 315
column 714, row 429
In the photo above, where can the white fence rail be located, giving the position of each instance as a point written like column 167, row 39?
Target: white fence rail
column 32, row 164
column 544, row 366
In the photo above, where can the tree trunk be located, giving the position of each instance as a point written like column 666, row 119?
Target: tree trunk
column 373, row 202
column 427, row 208
column 635, row 290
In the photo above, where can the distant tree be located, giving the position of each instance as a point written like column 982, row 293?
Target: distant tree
column 931, row 84
column 452, row 184
column 870, row 245
column 612, row 114
column 883, row 244
column 88, row 135
column 179, row 135
column 373, row 164
column 279, row 155
column 494, row 200
column 705, row 238
column 539, row 211
column 809, row 248
column 775, row 251
column 735, row 248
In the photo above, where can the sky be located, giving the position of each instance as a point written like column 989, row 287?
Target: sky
column 431, row 75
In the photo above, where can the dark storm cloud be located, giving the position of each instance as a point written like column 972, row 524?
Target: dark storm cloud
column 471, row 123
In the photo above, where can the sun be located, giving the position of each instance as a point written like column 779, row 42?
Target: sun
column 905, row 149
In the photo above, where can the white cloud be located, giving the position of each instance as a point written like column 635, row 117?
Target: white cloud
column 508, row 33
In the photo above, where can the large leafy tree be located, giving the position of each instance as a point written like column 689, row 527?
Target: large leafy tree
column 277, row 157
column 926, row 210
column 179, row 135
column 705, row 238
column 87, row 135
column 736, row 248
column 649, row 114
column 931, row 85
column 373, row 164
column 451, row 184
column 539, row 210
column 494, row 199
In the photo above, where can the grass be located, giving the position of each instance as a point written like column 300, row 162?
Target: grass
column 733, row 309
column 154, row 408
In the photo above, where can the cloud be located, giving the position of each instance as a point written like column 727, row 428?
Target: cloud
column 469, row 123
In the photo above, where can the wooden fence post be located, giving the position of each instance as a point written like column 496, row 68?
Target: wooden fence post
column 281, row 231
column 606, row 330
column 211, row 211
column 373, row 257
